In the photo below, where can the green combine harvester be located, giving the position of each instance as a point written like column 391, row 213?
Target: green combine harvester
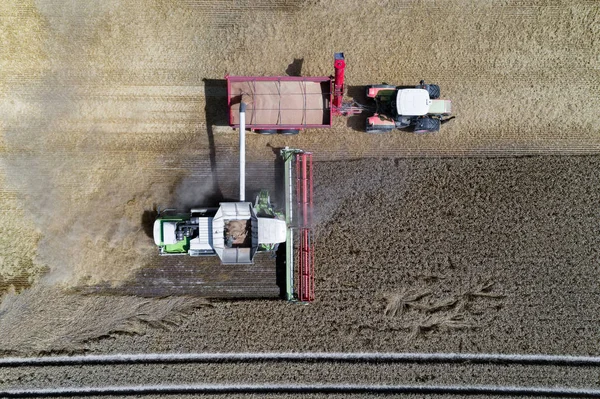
column 236, row 231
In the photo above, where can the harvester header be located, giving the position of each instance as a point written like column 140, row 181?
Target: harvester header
column 299, row 184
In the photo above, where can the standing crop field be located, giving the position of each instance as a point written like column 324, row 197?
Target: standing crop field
column 482, row 237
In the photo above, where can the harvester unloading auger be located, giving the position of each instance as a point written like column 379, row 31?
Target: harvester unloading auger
column 236, row 231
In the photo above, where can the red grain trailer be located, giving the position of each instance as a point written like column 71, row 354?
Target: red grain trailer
column 280, row 104
column 288, row 104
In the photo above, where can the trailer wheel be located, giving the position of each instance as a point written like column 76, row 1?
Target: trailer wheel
column 290, row 132
column 433, row 90
column 427, row 125
column 267, row 131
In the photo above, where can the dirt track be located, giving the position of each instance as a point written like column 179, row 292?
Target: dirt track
column 315, row 373
column 111, row 109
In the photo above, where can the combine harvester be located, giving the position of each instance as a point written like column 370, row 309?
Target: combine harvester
column 288, row 104
column 236, row 231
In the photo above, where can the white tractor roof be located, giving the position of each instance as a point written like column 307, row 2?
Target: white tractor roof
column 413, row 102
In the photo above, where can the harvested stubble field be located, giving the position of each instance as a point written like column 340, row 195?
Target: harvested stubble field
column 491, row 255
column 112, row 108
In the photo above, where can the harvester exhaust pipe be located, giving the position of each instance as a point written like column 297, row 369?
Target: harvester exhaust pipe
column 242, row 152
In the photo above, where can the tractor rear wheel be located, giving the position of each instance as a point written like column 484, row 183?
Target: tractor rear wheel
column 267, row 131
column 289, row 132
column 427, row 125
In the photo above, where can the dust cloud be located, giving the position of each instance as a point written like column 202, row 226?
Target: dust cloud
column 86, row 208
column 191, row 192
column 86, row 236
column 80, row 169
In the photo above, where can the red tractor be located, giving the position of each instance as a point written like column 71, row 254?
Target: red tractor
column 402, row 107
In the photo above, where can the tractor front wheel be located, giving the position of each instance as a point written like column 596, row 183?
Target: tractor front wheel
column 427, row 125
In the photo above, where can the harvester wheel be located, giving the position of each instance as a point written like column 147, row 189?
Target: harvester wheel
column 433, row 90
column 290, row 132
column 267, row 131
column 427, row 125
